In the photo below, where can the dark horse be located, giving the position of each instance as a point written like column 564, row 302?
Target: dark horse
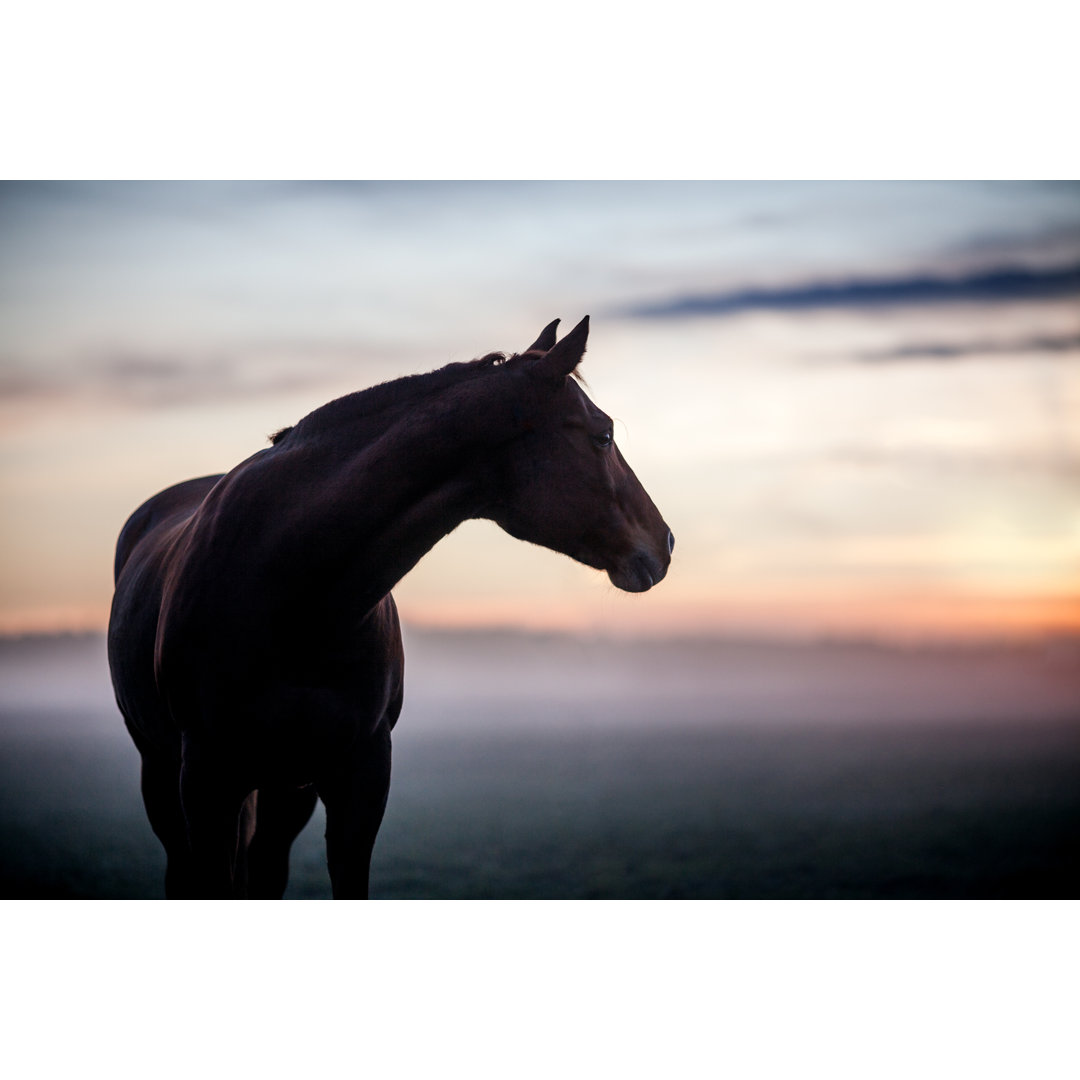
column 254, row 644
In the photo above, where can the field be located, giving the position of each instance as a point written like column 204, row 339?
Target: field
column 700, row 769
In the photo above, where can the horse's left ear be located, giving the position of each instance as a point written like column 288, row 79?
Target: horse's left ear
column 561, row 359
column 545, row 340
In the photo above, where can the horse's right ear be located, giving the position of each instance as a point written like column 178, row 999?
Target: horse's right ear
column 546, row 339
column 561, row 359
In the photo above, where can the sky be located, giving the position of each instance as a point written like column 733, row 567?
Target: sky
column 857, row 405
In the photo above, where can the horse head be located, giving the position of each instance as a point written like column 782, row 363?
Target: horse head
column 564, row 484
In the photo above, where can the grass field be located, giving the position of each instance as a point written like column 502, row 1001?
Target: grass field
column 672, row 788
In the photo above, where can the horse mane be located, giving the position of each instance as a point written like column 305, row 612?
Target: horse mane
column 397, row 393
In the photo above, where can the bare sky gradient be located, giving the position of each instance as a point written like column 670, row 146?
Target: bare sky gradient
column 858, row 405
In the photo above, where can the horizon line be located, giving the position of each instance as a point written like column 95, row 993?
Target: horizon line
column 670, row 635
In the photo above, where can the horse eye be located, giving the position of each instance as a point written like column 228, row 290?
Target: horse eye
column 604, row 439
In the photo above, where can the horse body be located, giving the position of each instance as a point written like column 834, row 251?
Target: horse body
column 254, row 644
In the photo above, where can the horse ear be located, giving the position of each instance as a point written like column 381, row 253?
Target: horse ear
column 561, row 359
column 545, row 340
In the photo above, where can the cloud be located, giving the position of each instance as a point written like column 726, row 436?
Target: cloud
column 159, row 381
column 989, row 286
column 1057, row 243
column 961, row 350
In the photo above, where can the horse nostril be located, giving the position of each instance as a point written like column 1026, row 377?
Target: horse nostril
column 670, row 542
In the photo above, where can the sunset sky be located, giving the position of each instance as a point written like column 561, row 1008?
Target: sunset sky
column 857, row 405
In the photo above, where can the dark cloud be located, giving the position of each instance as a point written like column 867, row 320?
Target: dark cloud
column 963, row 349
column 989, row 286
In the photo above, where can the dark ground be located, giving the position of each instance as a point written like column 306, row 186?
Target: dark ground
column 673, row 803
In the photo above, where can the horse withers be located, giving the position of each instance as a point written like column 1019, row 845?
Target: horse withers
column 254, row 645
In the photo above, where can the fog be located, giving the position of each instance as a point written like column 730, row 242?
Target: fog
column 514, row 681
column 509, row 680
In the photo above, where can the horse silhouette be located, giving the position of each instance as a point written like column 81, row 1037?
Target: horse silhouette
column 254, row 645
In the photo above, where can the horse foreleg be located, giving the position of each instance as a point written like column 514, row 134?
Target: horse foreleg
column 282, row 813
column 354, row 790
column 212, row 804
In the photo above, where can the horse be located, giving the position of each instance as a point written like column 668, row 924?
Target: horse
column 254, row 644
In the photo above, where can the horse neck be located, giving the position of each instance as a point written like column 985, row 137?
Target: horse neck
column 364, row 516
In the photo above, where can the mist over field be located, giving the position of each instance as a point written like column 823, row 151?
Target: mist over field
column 552, row 766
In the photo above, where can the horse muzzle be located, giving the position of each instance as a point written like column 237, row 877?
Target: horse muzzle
column 643, row 569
